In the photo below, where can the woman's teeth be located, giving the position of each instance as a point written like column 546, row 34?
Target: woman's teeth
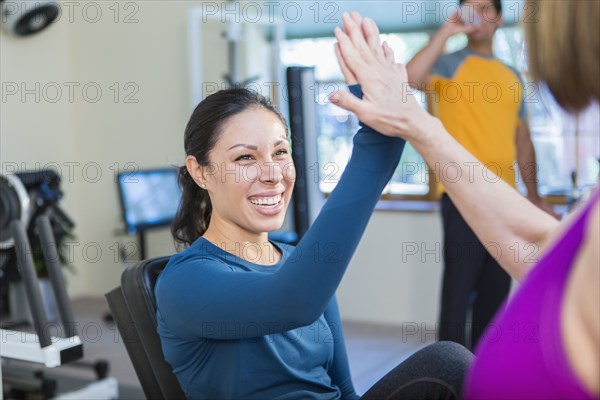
column 266, row 201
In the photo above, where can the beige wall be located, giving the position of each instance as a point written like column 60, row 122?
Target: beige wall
column 148, row 60
column 136, row 122
column 395, row 275
column 36, row 125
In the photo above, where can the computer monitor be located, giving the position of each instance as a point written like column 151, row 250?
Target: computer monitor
column 149, row 198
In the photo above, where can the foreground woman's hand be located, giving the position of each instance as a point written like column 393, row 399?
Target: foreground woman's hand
column 388, row 105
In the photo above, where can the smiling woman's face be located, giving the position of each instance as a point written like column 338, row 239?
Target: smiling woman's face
column 251, row 173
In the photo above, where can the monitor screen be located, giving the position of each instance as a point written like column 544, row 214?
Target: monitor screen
column 149, row 198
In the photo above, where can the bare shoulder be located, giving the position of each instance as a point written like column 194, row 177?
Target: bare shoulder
column 590, row 266
column 588, row 263
column 581, row 307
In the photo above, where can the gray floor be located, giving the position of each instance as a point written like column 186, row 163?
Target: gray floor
column 373, row 350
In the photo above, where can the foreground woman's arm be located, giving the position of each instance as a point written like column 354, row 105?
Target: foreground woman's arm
column 510, row 227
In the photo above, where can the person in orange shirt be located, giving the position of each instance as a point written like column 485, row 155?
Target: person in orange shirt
column 480, row 101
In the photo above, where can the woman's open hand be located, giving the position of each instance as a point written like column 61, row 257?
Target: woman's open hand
column 388, row 104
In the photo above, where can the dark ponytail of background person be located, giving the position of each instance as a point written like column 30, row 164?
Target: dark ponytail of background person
column 201, row 134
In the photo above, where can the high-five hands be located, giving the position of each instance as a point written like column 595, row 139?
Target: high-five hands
column 388, row 104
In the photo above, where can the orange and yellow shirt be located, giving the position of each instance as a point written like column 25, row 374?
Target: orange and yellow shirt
column 480, row 101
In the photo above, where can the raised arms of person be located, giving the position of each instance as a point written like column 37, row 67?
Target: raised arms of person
column 500, row 217
column 223, row 304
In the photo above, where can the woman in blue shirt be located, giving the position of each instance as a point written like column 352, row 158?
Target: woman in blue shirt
column 242, row 317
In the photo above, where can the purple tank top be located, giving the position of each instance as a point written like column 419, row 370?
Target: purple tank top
column 521, row 355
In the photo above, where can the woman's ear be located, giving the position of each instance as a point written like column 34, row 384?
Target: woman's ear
column 196, row 171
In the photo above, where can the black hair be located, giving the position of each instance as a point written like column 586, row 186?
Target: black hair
column 496, row 3
column 201, row 134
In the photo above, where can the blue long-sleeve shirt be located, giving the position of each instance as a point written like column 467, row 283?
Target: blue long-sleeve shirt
column 232, row 329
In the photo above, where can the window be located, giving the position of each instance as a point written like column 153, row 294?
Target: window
column 567, row 149
column 337, row 126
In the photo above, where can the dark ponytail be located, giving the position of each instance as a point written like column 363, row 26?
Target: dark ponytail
column 201, row 134
column 194, row 210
